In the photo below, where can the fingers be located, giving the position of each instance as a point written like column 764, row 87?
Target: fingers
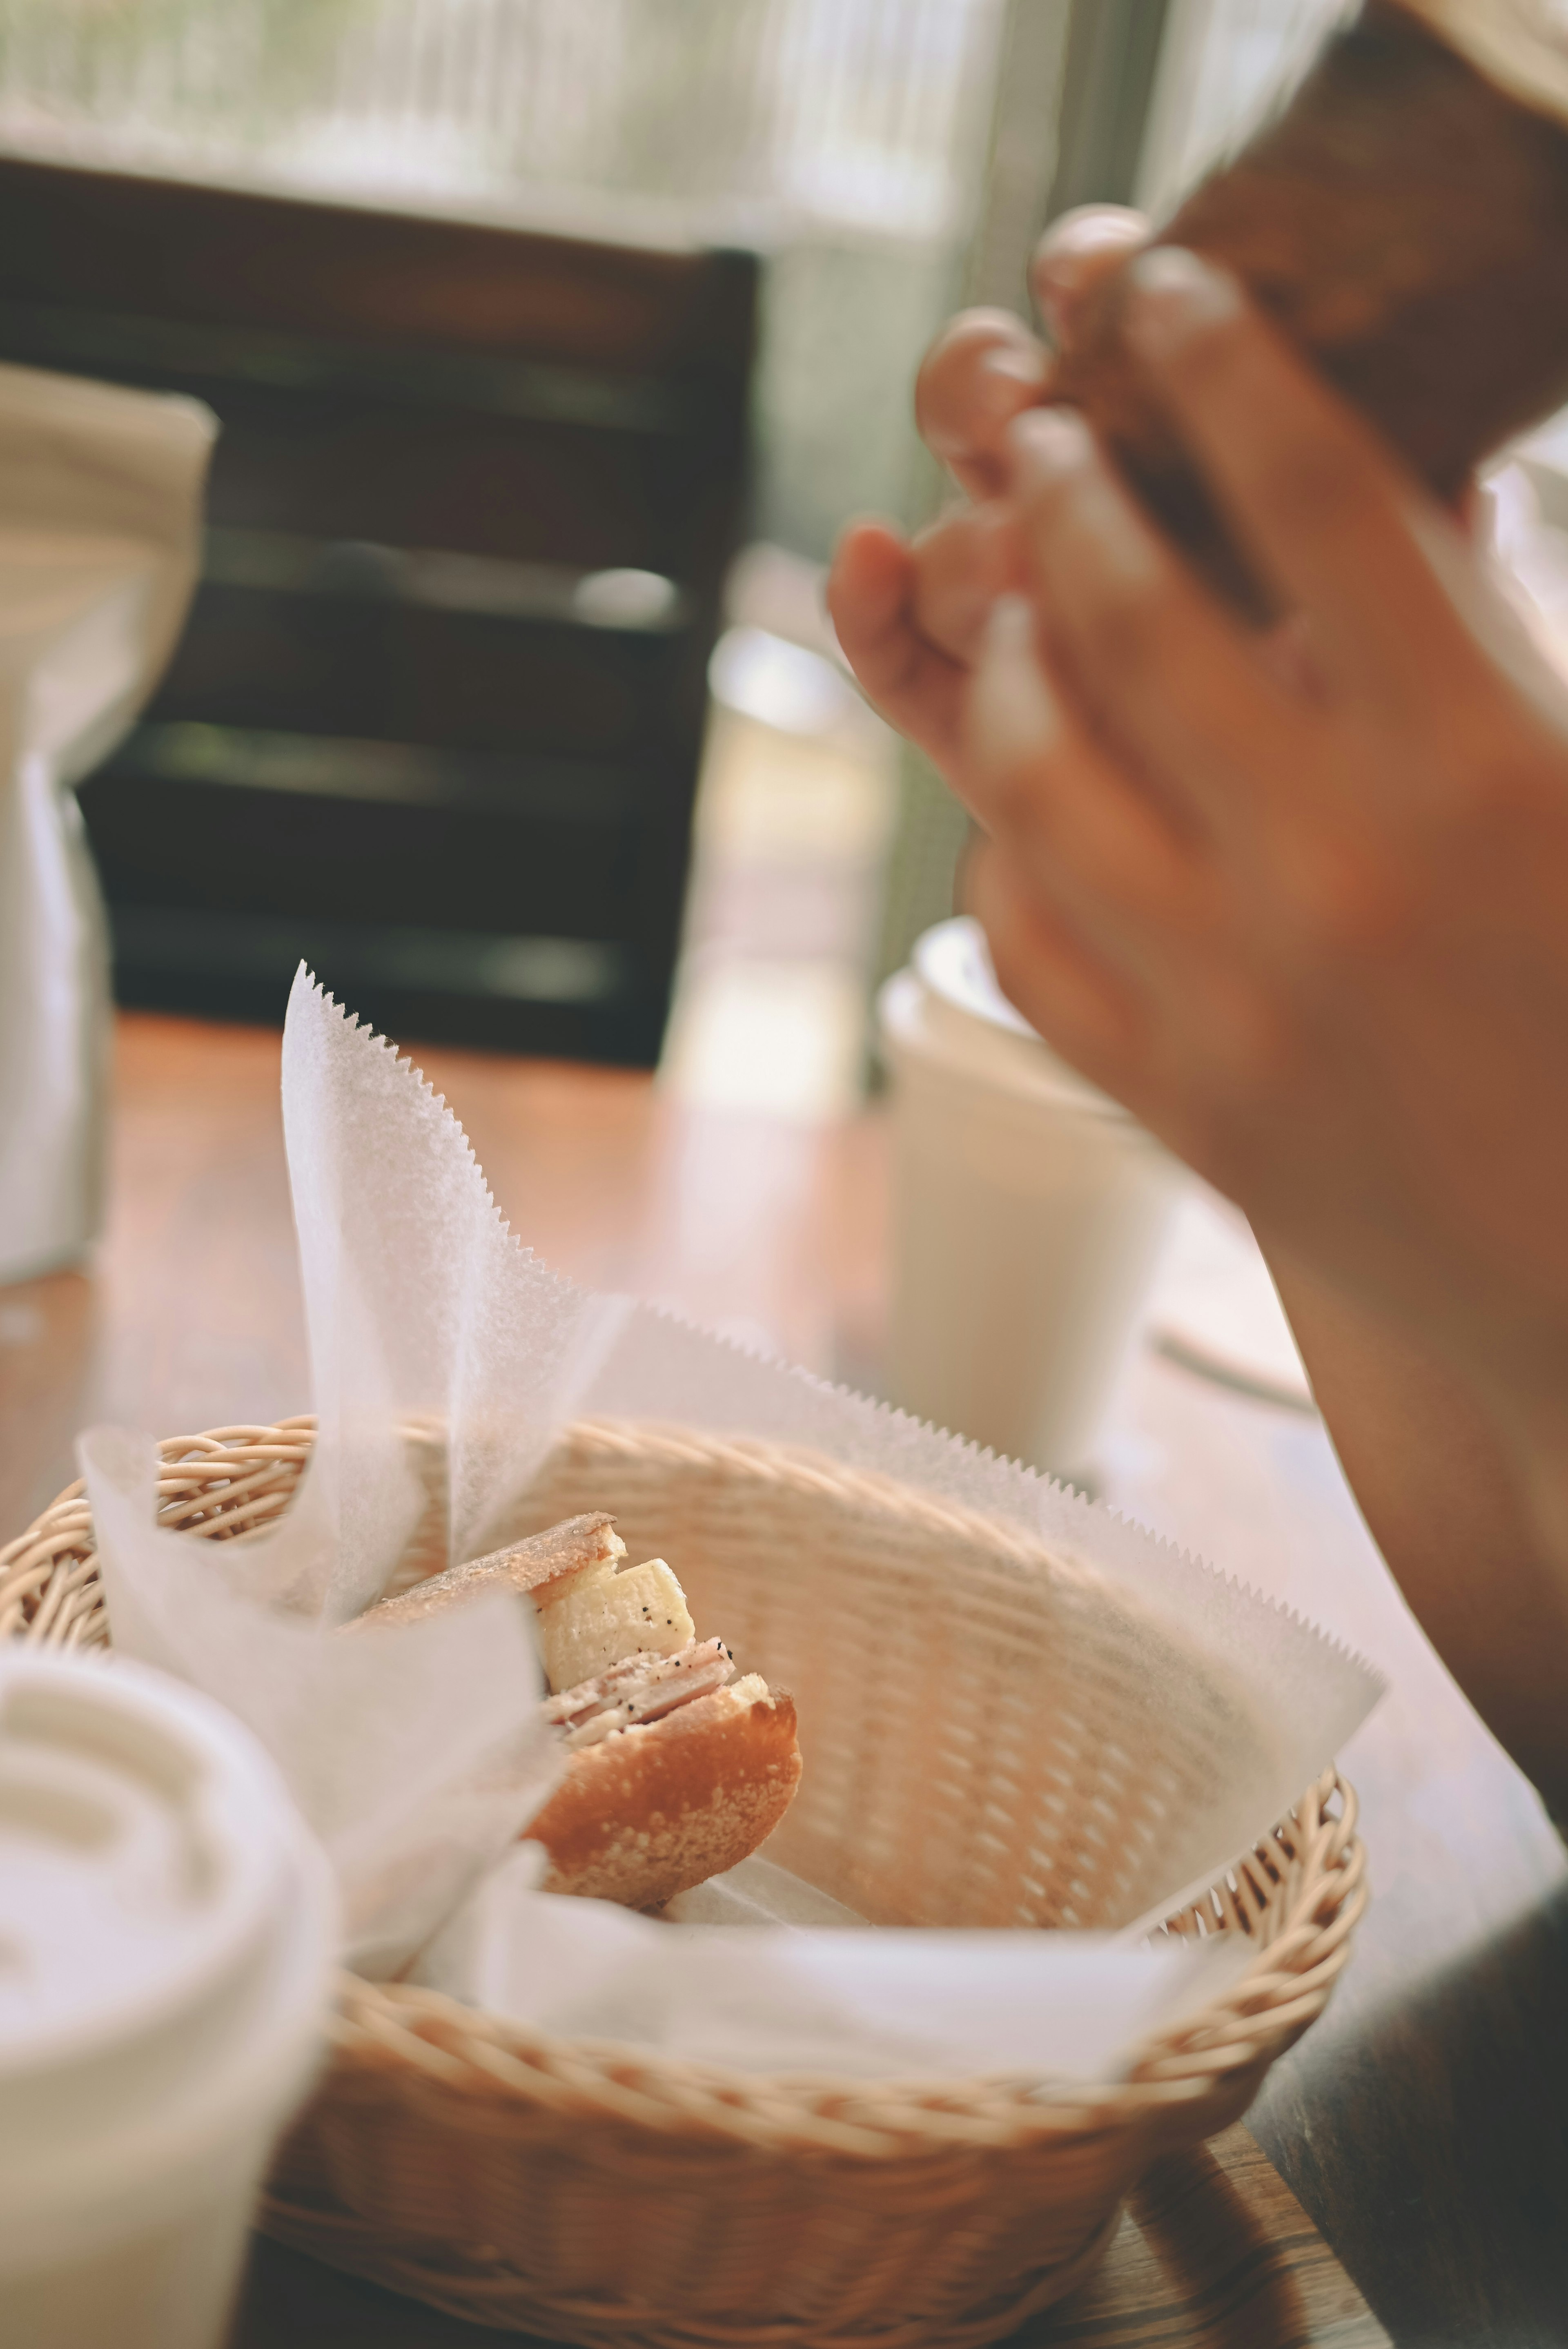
column 1326, row 513
column 916, row 687
column 961, row 564
column 1119, row 941
column 981, row 371
column 1166, row 675
column 1199, row 1058
column 1076, row 825
column 1075, row 251
column 1082, row 1008
column 984, row 366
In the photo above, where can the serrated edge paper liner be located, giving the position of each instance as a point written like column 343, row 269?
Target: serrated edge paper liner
column 420, row 1301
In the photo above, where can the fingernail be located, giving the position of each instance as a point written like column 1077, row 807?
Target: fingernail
column 1054, row 446
column 1174, row 296
column 1007, row 379
column 1048, row 442
column 1011, row 714
column 1057, row 271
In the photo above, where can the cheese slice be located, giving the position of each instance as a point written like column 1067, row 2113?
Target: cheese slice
column 603, row 1616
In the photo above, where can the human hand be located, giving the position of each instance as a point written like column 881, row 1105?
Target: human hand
column 1310, row 923
column 910, row 614
column 1450, row 1499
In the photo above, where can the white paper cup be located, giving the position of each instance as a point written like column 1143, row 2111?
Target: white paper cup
column 167, row 1930
column 1028, row 1215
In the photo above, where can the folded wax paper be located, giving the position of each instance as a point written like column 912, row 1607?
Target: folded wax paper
column 418, row 1756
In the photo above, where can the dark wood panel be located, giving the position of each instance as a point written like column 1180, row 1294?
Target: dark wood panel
column 556, row 494
column 346, row 461
column 439, row 388
column 345, row 665
column 217, row 255
column 582, row 999
column 258, row 360
column 383, row 774
column 162, row 841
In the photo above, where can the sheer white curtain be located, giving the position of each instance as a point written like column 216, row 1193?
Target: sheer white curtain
column 847, row 138
column 872, row 113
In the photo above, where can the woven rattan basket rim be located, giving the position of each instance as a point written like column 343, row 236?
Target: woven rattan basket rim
column 1300, row 1893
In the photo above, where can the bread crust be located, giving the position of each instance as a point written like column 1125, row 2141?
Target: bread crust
column 661, row 1806
column 649, row 1810
column 532, row 1567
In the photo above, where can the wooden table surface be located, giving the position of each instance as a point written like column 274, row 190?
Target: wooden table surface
column 1422, row 2125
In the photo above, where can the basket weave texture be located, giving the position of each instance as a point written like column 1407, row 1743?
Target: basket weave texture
column 988, row 1764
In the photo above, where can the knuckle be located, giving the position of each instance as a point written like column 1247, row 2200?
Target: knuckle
column 1216, row 363
column 1499, row 787
column 1118, row 623
column 957, row 546
column 1018, row 799
column 1352, row 902
column 946, row 386
column 1128, row 856
column 1077, row 253
column 1316, row 482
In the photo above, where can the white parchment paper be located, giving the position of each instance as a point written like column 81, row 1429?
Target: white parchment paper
column 419, row 1757
column 805, row 1992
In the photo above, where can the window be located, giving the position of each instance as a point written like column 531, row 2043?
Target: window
column 1220, row 63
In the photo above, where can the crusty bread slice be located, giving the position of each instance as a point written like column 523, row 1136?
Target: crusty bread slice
column 661, row 1806
column 663, row 1789
column 593, row 1608
column 545, row 1563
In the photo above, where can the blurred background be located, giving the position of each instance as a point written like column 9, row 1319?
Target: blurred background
column 554, row 341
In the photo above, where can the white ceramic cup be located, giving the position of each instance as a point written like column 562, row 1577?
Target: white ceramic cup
column 1028, row 1217
column 167, row 1931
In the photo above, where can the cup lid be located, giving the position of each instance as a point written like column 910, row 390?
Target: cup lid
column 167, row 1928
column 967, row 1020
column 139, row 1858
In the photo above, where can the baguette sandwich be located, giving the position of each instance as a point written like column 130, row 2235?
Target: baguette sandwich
column 678, row 1767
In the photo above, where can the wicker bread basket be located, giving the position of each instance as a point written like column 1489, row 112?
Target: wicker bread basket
column 1006, row 1775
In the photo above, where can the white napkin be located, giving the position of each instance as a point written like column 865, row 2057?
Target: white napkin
column 100, row 505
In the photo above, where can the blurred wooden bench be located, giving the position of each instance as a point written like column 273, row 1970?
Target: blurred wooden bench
column 435, row 719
